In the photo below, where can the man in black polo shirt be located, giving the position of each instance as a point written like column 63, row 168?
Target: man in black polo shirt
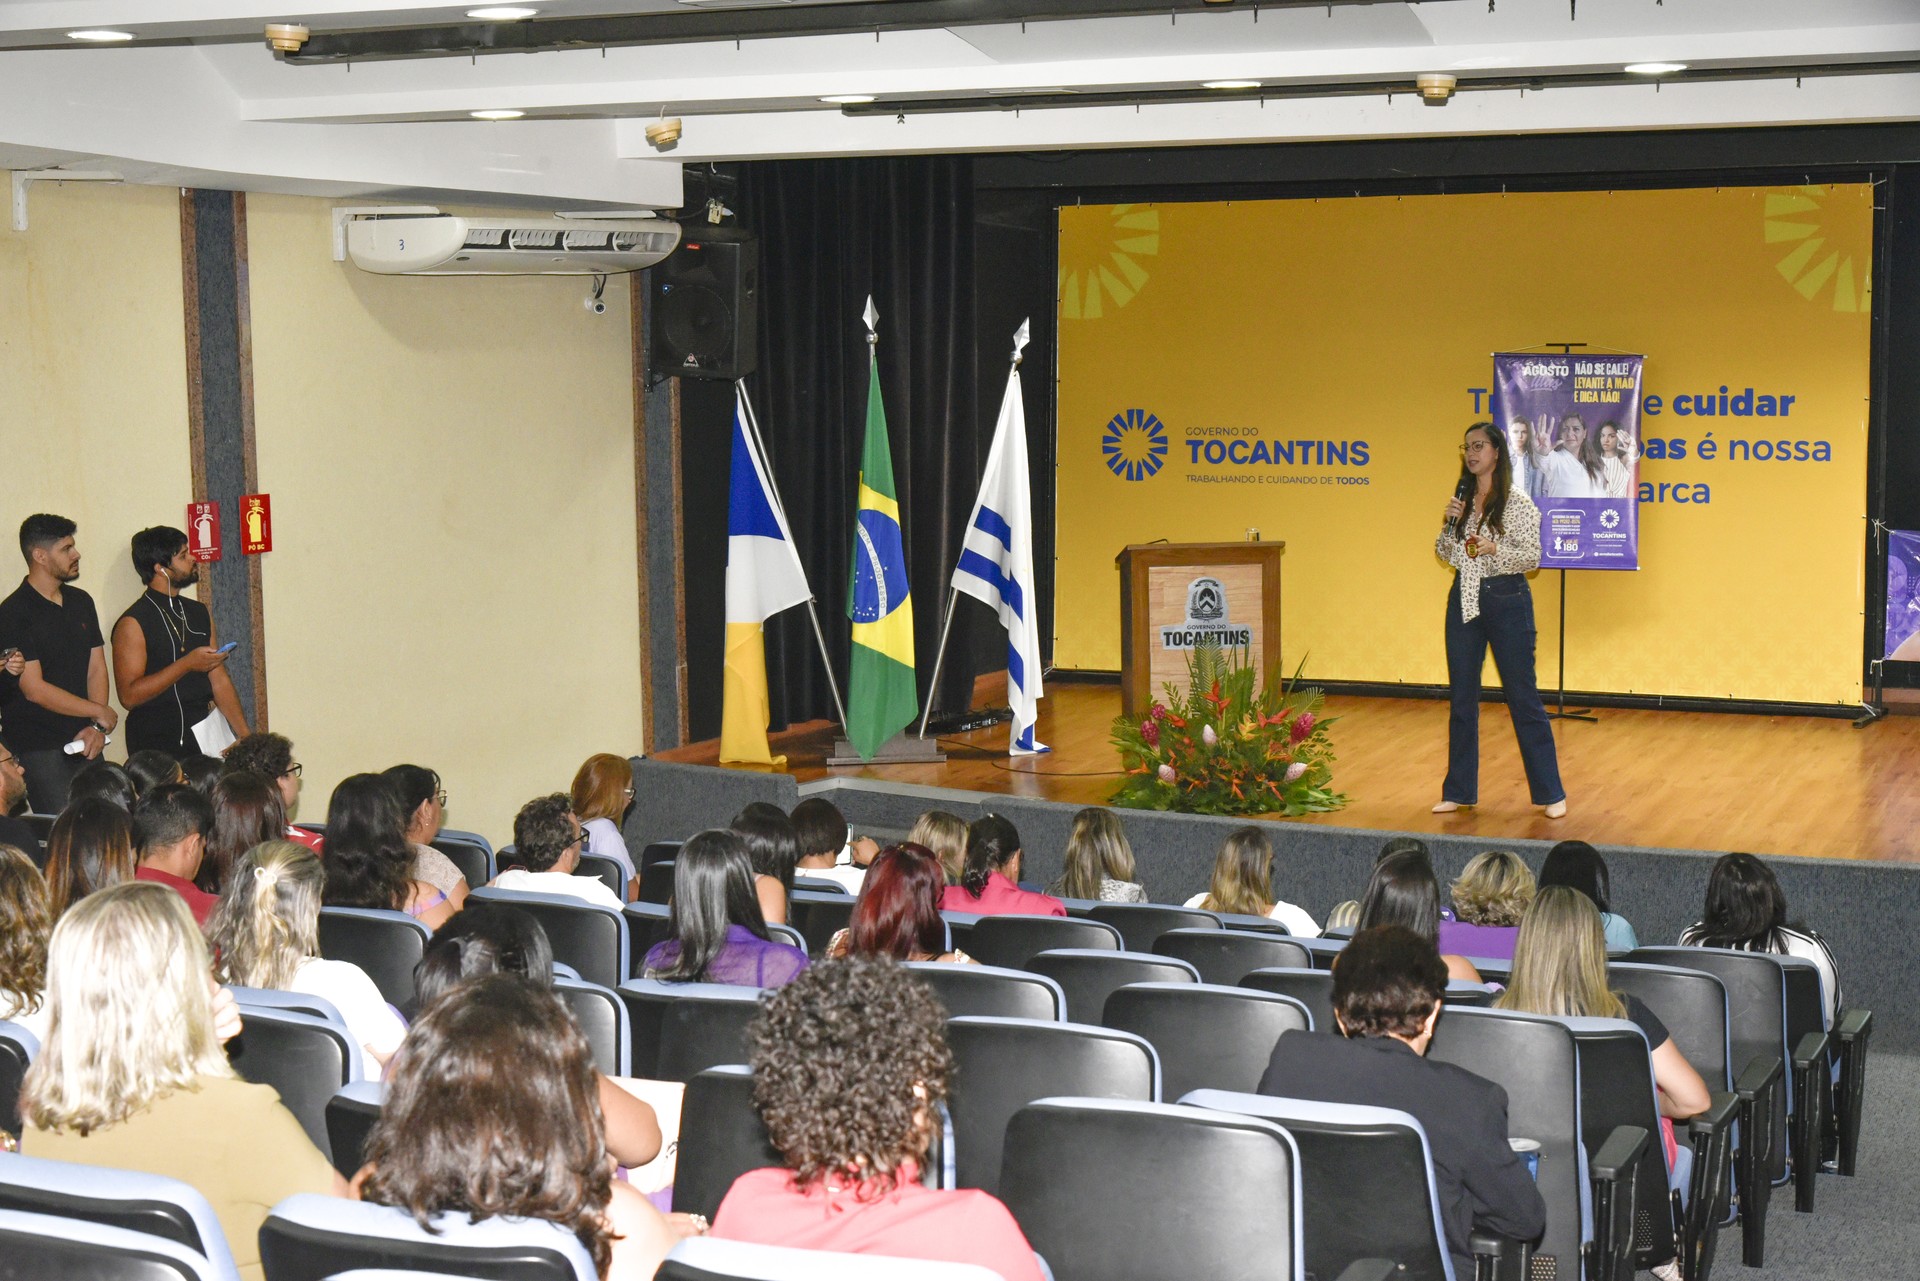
column 63, row 688
column 165, row 664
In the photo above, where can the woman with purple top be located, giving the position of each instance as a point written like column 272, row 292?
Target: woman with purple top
column 1494, row 891
column 719, row 934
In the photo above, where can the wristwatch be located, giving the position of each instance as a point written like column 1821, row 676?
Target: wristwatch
column 97, row 725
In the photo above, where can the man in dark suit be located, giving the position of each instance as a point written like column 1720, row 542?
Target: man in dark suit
column 1387, row 988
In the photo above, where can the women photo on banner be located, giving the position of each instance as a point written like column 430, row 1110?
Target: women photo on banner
column 1572, row 425
column 1903, row 596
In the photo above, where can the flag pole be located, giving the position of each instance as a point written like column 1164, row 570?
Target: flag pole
column 773, row 487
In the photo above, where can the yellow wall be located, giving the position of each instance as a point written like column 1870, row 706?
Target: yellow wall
column 93, row 378
column 453, row 580
column 1369, row 319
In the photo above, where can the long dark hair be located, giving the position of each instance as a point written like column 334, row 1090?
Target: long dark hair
column 1403, row 891
column 992, row 842
column 493, row 1108
column 712, row 889
column 898, row 913
column 1578, row 866
column 247, row 810
column 1494, row 514
column 483, row 939
column 369, row 863
column 772, row 848
column 1745, row 904
column 415, row 785
column 90, row 848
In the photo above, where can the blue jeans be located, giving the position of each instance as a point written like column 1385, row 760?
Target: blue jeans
column 1506, row 625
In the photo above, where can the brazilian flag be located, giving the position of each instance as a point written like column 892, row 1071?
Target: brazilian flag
column 880, row 694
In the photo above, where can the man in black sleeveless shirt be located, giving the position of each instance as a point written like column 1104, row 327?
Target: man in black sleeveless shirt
column 165, row 665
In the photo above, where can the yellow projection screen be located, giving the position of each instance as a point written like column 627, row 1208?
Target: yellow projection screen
column 1306, row 368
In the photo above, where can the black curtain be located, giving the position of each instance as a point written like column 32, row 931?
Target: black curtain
column 831, row 233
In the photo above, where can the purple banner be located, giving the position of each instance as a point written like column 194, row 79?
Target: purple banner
column 1573, row 435
column 1903, row 596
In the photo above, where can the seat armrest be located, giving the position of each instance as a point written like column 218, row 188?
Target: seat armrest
column 1721, row 1109
column 1619, row 1154
column 1761, row 1073
column 1852, row 1025
column 1498, row 1258
column 1811, row 1052
column 1369, row 1270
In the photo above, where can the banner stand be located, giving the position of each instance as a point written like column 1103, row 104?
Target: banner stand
column 1561, row 713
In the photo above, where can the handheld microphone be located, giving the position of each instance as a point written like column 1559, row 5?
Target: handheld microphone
column 1461, row 493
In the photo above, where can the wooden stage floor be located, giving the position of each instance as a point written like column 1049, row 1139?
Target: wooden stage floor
column 1801, row 785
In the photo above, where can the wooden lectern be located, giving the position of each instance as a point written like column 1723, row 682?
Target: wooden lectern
column 1175, row 595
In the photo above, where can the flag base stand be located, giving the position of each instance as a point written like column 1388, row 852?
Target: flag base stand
column 901, row 749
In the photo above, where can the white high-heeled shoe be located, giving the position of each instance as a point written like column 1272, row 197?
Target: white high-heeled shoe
column 1558, row 809
column 1448, row 807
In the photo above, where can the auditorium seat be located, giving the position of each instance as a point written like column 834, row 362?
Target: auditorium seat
column 1008, row 941
column 305, row 1054
column 351, row 1114
column 387, row 945
column 1227, row 956
column 1090, row 975
column 590, row 937
column 656, row 882
column 726, row 1140
column 602, row 1017
column 680, row 1029
column 1001, row 1065
column 44, row 1246
column 1321, row 950
column 1479, row 995
column 18, row 1047
column 1129, row 1191
column 1207, row 1036
column 608, row 871
column 819, row 885
column 475, row 861
column 1312, row 988
column 819, row 916
column 648, row 924
column 992, row 991
column 710, row 1259
column 788, row 935
column 471, row 838
column 1252, row 924
column 311, row 1238
column 1141, row 923
column 100, row 1197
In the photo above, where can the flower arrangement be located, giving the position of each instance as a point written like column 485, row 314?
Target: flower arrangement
column 1228, row 746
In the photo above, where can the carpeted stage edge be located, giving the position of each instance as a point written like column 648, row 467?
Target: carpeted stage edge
column 1865, row 910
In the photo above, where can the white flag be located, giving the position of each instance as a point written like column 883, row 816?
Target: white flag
column 996, row 557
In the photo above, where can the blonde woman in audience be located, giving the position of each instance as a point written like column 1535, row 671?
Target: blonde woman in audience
column 1099, row 861
column 266, row 932
column 1491, row 895
column 1243, row 884
column 132, row 1076
column 90, row 848
column 24, row 925
column 946, row 835
column 602, row 793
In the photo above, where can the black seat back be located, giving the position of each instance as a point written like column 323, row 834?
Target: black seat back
column 47, row 1249
column 295, row 1250
column 732, row 1139
column 1078, row 1174
column 1001, row 1065
column 1227, row 956
column 471, row 859
column 14, row 1061
column 1693, row 1005
column 648, row 924
column 1090, row 975
column 1207, row 1037
column 1008, row 941
column 351, row 1116
column 818, row 916
column 1312, row 988
column 991, row 991
column 1616, row 1088
column 1141, row 923
column 656, row 879
column 681, row 1029
column 387, row 945
column 607, row 870
column 303, row 1058
column 603, row 1021
column 590, row 938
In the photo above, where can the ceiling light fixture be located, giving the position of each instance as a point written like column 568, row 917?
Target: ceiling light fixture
column 100, row 37
column 287, row 37
column 1653, row 68
column 1229, row 84
column 1435, row 87
column 841, row 99
column 501, row 113
column 502, row 13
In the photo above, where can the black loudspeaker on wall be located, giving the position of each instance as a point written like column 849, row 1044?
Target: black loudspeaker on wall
column 705, row 299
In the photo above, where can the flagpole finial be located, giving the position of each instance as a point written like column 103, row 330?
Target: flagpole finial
column 872, row 317
column 1020, row 340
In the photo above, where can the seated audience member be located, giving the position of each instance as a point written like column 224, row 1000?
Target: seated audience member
column 1404, row 891
column 898, row 913
column 546, row 850
column 132, row 1076
column 718, row 934
column 267, row 935
column 247, row 811
column 773, row 851
column 946, row 835
column 495, row 938
column 1387, row 989
column 90, row 848
column 1345, row 915
column 201, row 772
column 990, row 882
column 1493, row 892
column 424, row 801
column 102, row 780
column 1243, row 884
column 149, row 769
column 368, row 860
column 1746, row 910
column 1560, row 968
column 1099, row 861
column 25, row 923
column 828, row 850
column 602, row 794
column 13, row 793
column 170, row 825
column 493, row 1110
column 850, row 1064
column 271, row 757
column 1578, row 866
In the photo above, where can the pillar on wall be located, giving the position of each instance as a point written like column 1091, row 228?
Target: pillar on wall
column 213, row 256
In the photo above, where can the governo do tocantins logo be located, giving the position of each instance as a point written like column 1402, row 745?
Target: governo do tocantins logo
column 1134, row 444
